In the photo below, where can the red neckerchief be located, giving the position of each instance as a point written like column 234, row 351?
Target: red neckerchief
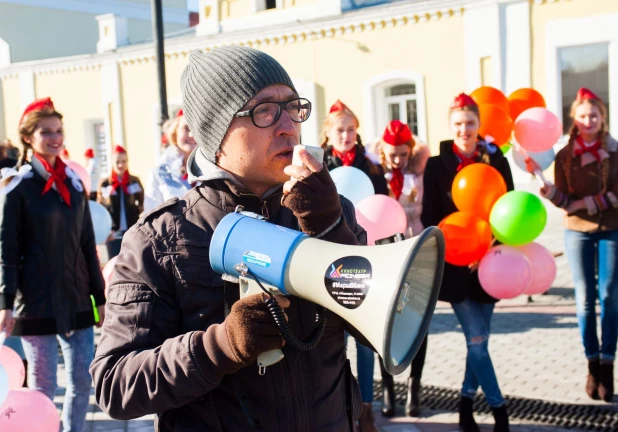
column 464, row 160
column 593, row 149
column 347, row 159
column 396, row 182
column 123, row 183
column 57, row 176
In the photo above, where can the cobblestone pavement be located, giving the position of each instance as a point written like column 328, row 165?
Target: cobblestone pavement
column 535, row 347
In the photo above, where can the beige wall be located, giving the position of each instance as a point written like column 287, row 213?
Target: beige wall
column 77, row 95
column 403, row 47
column 544, row 13
column 12, row 108
column 139, row 100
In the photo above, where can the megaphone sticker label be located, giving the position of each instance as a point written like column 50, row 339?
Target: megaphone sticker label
column 257, row 258
column 348, row 280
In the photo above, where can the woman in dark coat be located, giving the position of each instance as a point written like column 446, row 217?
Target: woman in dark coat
column 123, row 196
column 460, row 285
column 49, row 267
column 343, row 147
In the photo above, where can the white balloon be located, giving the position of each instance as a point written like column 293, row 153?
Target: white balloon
column 101, row 222
column 4, row 385
column 352, row 183
column 544, row 159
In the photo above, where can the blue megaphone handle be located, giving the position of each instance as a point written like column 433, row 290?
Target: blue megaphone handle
column 262, row 246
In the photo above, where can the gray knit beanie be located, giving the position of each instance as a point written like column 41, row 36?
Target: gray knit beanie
column 216, row 84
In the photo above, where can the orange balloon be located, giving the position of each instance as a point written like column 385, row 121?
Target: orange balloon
column 476, row 188
column 467, row 237
column 490, row 96
column 495, row 123
column 523, row 99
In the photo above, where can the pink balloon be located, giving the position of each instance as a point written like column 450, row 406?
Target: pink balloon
column 81, row 173
column 107, row 272
column 543, row 266
column 381, row 216
column 505, row 272
column 14, row 367
column 537, row 129
column 27, row 410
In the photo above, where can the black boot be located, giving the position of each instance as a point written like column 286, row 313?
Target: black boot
column 26, row 373
column 606, row 381
column 413, row 403
column 592, row 381
column 501, row 418
column 466, row 418
column 388, row 395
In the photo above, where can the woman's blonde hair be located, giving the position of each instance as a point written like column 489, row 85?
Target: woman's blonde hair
column 29, row 125
column 171, row 130
column 574, row 133
column 329, row 122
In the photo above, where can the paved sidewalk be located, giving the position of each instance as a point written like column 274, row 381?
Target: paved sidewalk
column 535, row 348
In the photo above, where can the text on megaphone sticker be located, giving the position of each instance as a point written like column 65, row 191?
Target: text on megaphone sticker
column 257, row 259
column 348, row 280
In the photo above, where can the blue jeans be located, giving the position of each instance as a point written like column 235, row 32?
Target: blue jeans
column 365, row 362
column 475, row 320
column 78, row 352
column 14, row 342
column 593, row 261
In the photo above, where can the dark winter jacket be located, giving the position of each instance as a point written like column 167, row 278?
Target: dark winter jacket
column 159, row 353
column 48, row 258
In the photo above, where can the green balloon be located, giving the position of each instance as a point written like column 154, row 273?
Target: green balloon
column 505, row 148
column 517, row 218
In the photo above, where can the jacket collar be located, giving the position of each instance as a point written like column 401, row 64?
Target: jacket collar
column 587, row 158
column 358, row 159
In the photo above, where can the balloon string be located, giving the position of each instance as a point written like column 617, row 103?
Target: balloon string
column 2, row 339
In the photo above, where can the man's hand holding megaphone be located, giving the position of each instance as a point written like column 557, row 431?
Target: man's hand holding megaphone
column 248, row 331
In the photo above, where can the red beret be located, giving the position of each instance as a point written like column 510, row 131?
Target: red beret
column 397, row 133
column 89, row 153
column 463, row 100
column 585, row 94
column 180, row 113
column 339, row 106
column 119, row 149
column 38, row 105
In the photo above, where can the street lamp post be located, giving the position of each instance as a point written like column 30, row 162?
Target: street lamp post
column 157, row 36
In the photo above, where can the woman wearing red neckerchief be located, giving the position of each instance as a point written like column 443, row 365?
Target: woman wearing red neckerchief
column 343, row 146
column 586, row 176
column 403, row 161
column 49, row 266
column 460, row 285
column 170, row 179
column 123, row 196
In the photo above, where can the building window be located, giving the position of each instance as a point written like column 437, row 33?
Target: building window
column 583, row 66
column 400, row 103
column 100, row 150
column 271, row 4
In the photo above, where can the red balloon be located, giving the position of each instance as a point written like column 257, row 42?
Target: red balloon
column 495, row 123
column 490, row 96
column 476, row 188
column 523, row 99
column 467, row 237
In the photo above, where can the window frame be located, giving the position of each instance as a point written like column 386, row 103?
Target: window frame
column 376, row 105
column 560, row 34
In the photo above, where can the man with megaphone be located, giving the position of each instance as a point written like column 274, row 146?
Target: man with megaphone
column 169, row 346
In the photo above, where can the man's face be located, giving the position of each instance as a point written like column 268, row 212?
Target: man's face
column 257, row 156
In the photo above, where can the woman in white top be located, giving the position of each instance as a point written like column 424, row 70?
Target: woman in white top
column 169, row 179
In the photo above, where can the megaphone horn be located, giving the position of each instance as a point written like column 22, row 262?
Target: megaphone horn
column 388, row 292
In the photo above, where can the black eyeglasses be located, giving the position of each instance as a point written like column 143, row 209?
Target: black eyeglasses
column 266, row 114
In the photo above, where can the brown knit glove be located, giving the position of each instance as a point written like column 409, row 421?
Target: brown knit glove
column 251, row 330
column 315, row 202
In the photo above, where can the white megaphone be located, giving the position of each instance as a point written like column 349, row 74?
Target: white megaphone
column 388, row 293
